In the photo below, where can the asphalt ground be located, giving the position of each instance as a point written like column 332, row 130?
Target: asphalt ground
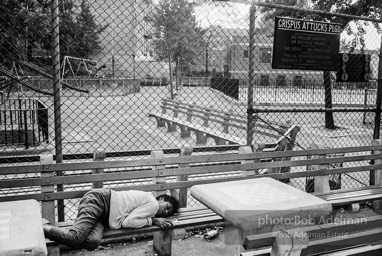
column 194, row 244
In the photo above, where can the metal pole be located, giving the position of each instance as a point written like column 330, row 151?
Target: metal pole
column 207, row 59
column 56, row 98
column 377, row 118
column 251, row 75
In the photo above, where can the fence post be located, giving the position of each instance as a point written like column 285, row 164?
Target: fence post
column 321, row 183
column 158, row 154
column 98, row 155
column 377, row 204
column 47, row 206
column 247, row 150
column 251, row 73
column 182, row 192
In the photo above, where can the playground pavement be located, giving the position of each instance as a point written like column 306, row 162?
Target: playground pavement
column 193, row 245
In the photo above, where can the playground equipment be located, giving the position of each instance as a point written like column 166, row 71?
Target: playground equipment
column 13, row 77
column 72, row 66
column 79, row 68
column 42, row 72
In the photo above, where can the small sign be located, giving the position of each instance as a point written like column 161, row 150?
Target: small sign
column 306, row 45
column 353, row 68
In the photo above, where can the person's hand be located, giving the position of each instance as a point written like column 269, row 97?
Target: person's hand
column 162, row 223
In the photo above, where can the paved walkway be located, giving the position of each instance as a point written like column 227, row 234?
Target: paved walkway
column 186, row 247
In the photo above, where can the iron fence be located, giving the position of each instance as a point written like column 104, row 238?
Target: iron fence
column 113, row 62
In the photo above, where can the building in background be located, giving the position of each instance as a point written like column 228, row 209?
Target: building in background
column 126, row 43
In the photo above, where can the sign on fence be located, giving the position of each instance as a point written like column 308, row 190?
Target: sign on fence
column 305, row 45
column 353, row 68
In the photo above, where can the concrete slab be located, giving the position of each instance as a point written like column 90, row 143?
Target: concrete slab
column 261, row 204
column 21, row 230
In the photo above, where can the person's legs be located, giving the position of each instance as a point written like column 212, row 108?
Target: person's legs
column 90, row 211
column 94, row 238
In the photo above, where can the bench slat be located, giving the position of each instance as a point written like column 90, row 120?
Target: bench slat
column 339, row 243
column 267, row 239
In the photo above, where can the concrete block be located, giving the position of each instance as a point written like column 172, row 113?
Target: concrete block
column 179, row 233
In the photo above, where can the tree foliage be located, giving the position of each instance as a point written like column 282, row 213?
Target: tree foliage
column 177, row 36
column 26, row 24
column 22, row 23
column 370, row 9
column 79, row 32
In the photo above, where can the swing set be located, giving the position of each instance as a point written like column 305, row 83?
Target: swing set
column 16, row 77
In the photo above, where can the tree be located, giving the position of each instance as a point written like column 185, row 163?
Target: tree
column 26, row 24
column 370, row 9
column 178, row 38
column 79, row 32
column 23, row 25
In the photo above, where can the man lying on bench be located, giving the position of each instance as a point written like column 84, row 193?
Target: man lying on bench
column 105, row 208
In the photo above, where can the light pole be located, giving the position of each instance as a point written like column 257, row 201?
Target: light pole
column 207, row 44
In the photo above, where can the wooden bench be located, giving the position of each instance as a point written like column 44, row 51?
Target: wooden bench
column 339, row 236
column 222, row 126
column 160, row 174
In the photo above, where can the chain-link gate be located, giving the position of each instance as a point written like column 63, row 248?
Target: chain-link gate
column 79, row 76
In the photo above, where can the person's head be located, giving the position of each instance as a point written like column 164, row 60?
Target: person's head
column 168, row 205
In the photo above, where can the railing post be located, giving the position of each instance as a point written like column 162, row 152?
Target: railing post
column 98, row 155
column 190, row 112
column 181, row 194
column 158, row 154
column 247, row 150
column 206, row 117
column 164, row 106
column 176, row 109
column 47, row 206
column 226, row 120
column 377, row 204
column 321, row 183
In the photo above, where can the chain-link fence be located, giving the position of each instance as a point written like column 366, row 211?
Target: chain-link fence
column 79, row 76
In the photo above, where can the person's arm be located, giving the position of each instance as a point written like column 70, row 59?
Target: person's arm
column 162, row 222
column 136, row 222
column 141, row 216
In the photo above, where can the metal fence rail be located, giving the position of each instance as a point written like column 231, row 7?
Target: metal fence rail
column 23, row 122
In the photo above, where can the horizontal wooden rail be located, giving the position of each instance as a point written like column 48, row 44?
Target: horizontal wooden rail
column 157, row 187
column 194, row 159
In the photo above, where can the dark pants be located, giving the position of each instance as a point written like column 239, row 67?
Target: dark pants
column 92, row 218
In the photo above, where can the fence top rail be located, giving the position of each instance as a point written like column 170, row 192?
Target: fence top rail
column 149, row 163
